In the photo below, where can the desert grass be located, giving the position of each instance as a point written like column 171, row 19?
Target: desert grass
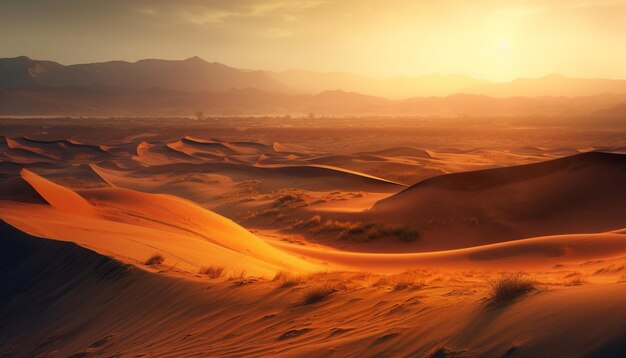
column 442, row 352
column 155, row 259
column 356, row 231
column 374, row 231
column 317, row 292
column 238, row 275
column 402, row 281
column 212, row 271
column 574, row 279
column 317, row 225
column 287, row 279
column 510, row 286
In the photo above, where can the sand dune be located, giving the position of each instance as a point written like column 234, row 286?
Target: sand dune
column 58, row 149
column 81, row 176
column 278, row 177
column 121, row 310
column 577, row 194
column 159, row 154
column 131, row 226
column 56, row 196
column 530, row 254
column 402, row 151
column 24, row 156
column 78, row 222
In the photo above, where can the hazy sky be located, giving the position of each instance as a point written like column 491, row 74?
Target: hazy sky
column 496, row 40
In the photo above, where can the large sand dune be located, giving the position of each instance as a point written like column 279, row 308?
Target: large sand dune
column 577, row 194
column 132, row 226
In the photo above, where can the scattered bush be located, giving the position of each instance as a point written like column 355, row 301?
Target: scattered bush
column 241, row 275
column 155, row 259
column 317, row 293
column 442, row 352
column 510, row 286
column 574, row 279
column 355, row 231
column 286, row 279
column 289, row 201
column 212, row 271
column 316, row 225
column 402, row 281
column 374, row 231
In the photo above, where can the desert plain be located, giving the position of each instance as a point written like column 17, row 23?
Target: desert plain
column 329, row 236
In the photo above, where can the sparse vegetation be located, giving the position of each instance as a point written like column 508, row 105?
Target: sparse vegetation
column 317, row 292
column 374, row 231
column 286, row 279
column 442, row 352
column 155, row 259
column 317, row 225
column 238, row 275
column 402, row 281
column 510, row 286
column 355, row 231
column 212, row 271
column 290, row 201
column 574, row 279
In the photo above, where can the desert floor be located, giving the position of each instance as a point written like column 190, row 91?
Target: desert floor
column 326, row 237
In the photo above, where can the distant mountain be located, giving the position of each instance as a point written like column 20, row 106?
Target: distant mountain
column 20, row 72
column 105, row 101
column 163, row 87
column 197, row 75
column 396, row 88
column 618, row 110
column 193, row 74
column 552, row 85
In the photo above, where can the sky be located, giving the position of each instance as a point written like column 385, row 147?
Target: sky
column 493, row 40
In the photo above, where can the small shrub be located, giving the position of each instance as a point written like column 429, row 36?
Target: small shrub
column 316, row 225
column 574, row 279
column 212, row 271
column 402, row 281
column 155, row 259
column 286, row 279
column 510, row 286
column 241, row 275
column 317, row 293
column 289, row 200
column 374, row 231
column 442, row 352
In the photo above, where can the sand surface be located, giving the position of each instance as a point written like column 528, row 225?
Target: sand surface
column 397, row 244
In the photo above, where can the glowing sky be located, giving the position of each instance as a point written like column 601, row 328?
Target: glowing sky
column 496, row 40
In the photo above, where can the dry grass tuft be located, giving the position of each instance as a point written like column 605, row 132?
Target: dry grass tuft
column 574, row 279
column 317, row 293
column 155, row 259
column 375, row 231
column 212, row 271
column 443, row 352
column 241, row 275
column 286, row 279
column 510, row 286
column 402, row 281
column 356, row 231
column 317, row 225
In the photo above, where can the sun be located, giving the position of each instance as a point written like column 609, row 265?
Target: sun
column 503, row 46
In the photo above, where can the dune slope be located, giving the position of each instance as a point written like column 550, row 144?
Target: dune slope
column 121, row 310
column 577, row 194
column 131, row 226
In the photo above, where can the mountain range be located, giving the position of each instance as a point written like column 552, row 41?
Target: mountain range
column 172, row 87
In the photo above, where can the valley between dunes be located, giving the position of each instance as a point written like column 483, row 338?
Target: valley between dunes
column 293, row 248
